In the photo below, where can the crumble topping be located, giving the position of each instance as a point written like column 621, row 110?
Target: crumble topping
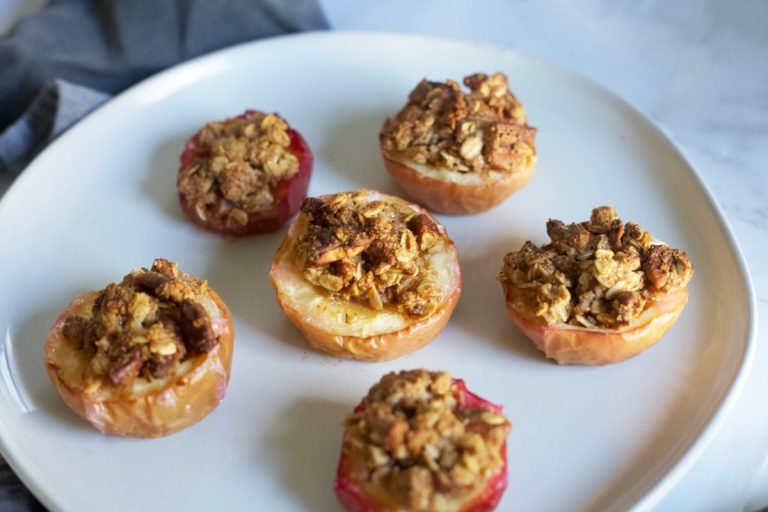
column 372, row 251
column 480, row 131
column 146, row 325
column 237, row 164
column 416, row 440
column 599, row 273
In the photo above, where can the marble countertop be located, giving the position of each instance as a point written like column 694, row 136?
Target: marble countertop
column 699, row 69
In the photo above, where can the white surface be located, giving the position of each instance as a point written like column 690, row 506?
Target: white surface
column 606, row 437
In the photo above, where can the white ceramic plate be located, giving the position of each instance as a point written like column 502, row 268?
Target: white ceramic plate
column 101, row 200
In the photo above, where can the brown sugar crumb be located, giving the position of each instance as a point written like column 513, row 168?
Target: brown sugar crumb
column 371, row 251
column 238, row 163
column 415, row 439
column 599, row 273
column 144, row 326
column 443, row 127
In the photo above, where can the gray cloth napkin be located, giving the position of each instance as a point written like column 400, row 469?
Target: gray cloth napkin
column 14, row 497
column 62, row 62
column 55, row 108
column 67, row 59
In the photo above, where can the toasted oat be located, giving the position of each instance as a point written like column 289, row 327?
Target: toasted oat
column 370, row 251
column 599, row 273
column 415, row 439
column 144, row 326
column 239, row 162
column 443, row 127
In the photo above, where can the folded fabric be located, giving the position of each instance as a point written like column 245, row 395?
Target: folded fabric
column 14, row 497
column 71, row 56
column 54, row 109
column 51, row 59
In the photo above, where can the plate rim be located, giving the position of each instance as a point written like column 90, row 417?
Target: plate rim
column 654, row 491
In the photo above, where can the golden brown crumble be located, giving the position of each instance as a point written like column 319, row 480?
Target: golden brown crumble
column 443, row 127
column 599, row 273
column 238, row 162
column 372, row 251
column 415, row 439
column 145, row 325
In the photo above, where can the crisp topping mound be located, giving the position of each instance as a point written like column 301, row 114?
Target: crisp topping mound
column 372, row 251
column 146, row 325
column 599, row 273
column 443, row 127
column 415, row 439
column 239, row 161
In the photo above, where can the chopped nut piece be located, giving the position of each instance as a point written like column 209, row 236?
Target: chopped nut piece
column 443, row 127
column 667, row 268
column 568, row 239
column 196, row 326
column 74, row 329
column 149, row 281
column 370, row 251
column 167, row 268
column 126, row 368
column 145, row 325
column 599, row 273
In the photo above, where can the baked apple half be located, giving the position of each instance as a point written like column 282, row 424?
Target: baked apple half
column 146, row 357
column 457, row 152
column 367, row 276
column 245, row 175
column 420, row 441
column 600, row 292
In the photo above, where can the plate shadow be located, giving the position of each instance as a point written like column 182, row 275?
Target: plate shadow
column 352, row 149
column 667, row 433
column 481, row 310
column 240, row 275
column 160, row 181
column 304, row 441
